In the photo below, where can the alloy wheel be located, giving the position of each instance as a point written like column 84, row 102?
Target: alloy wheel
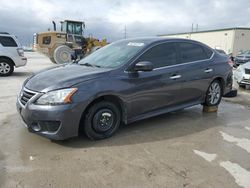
column 214, row 93
column 4, row 68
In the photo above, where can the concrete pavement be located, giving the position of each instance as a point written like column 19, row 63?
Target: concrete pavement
column 187, row 148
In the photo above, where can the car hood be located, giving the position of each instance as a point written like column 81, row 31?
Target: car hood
column 245, row 66
column 62, row 77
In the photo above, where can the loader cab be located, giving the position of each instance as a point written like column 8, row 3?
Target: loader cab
column 74, row 31
column 72, row 27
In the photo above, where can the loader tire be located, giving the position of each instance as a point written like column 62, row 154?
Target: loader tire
column 52, row 60
column 62, row 54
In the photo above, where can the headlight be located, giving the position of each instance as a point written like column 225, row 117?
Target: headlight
column 62, row 96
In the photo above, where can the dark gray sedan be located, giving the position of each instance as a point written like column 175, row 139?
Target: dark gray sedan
column 125, row 81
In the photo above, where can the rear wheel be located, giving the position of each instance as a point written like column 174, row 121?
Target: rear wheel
column 214, row 94
column 102, row 120
column 6, row 67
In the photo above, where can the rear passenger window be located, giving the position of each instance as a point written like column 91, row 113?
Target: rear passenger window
column 208, row 52
column 191, row 52
column 7, row 41
column 161, row 55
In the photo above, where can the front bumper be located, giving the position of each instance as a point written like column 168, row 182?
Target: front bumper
column 245, row 81
column 57, row 122
column 242, row 78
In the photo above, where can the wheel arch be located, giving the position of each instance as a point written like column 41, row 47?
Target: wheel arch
column 222, row 81
column 8, row 58
column 110, row 98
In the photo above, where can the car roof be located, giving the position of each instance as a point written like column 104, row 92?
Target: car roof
column 7, row 35
column 156, row 39
column 150, row 40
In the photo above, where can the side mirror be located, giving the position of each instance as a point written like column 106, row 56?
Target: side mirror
column 143, row 66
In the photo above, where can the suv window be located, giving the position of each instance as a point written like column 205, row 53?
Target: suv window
column 161, row 55
column 191, row 52
column 8, row 41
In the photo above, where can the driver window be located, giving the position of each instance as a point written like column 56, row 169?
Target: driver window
column 161, row 55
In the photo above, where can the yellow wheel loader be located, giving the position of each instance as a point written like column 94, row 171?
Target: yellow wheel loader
column 61, row 46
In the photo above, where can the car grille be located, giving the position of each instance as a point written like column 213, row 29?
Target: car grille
column 245, row 81
column 247, row 71
column 26, row 95
column 240, row 61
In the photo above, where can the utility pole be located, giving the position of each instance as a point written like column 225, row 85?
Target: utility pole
column 125, row 32
column 197, row 27
column 192, row 28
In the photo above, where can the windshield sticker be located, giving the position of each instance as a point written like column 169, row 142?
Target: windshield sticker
column 138, row 44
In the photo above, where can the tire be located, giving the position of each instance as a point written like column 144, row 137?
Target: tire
column 214, row 94
column 242, row 85
column 52, row 60
column 62, row 54
column 102, row 120
column 6, row 67
column 231, row 94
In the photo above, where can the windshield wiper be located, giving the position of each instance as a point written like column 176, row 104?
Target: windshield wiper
column 90, row 65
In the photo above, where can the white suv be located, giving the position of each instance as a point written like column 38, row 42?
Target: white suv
column 11, row 54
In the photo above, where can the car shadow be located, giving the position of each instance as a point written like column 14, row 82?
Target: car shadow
column 163, row 127
column 21, row 74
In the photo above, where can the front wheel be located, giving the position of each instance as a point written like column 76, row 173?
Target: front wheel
column 102, row 120
column 62, row 54
column 214, row 94
column 52, row 60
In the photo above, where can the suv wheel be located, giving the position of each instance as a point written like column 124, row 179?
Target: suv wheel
column 214, row 94
column 102, row 120
column 6, row 67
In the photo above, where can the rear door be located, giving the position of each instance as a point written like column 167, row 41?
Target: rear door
column 159, row 88
column 196, row 68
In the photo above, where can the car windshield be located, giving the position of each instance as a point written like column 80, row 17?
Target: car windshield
column 245, row 52
column 113, row 55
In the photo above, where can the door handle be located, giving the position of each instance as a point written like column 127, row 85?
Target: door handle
column 174, row 77
column 208, row 70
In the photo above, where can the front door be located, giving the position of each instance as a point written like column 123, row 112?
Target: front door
column 158, row 88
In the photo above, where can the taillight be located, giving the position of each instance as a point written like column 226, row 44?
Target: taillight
column 20, row 52
column 230, row 62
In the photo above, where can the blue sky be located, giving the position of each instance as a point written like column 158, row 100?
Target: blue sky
column 107, row 18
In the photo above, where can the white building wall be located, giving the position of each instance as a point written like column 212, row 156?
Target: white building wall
column 216, row 39
column 241, row 41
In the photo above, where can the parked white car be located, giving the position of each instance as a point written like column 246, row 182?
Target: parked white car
column 242, row 74
column 11, row 54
